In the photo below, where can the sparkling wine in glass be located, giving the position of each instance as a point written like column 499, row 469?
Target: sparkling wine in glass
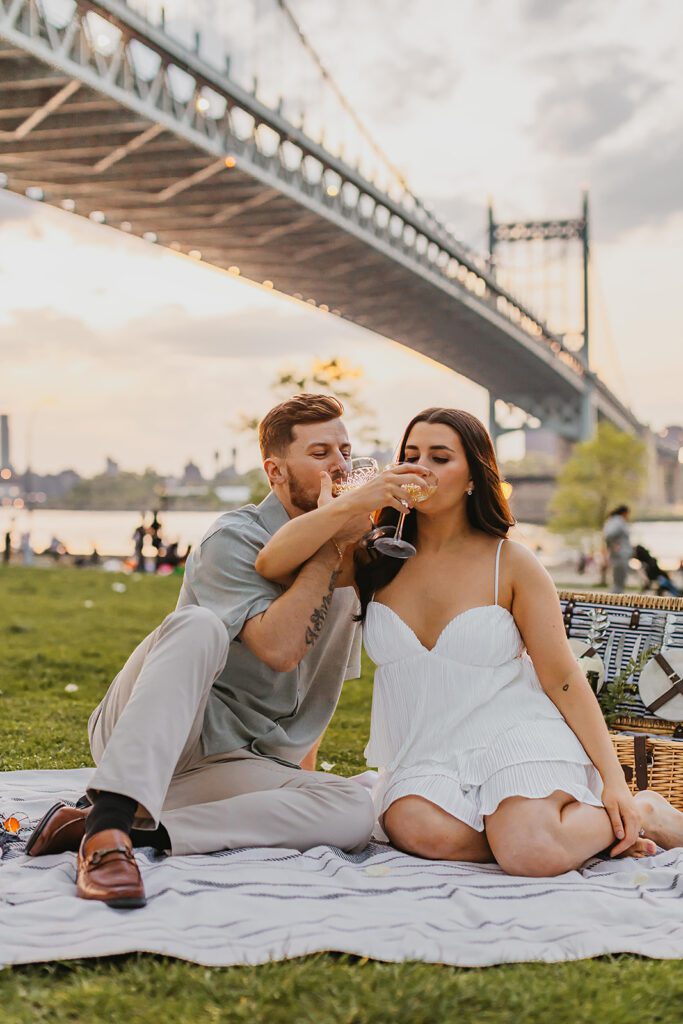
column 388, row 540
column 362, row 471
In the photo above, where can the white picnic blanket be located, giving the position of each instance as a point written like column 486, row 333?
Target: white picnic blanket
column 250, row 906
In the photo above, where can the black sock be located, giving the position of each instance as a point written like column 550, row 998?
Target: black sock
column 157, row 838
column 111, row 810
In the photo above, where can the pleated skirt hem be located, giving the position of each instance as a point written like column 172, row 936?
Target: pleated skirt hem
column 471, row 804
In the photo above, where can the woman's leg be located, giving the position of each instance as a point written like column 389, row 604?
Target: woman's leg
column 551, row 835
column 419, row 827
column 661, row 822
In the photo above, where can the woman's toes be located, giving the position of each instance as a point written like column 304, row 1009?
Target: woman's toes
column 641, row 848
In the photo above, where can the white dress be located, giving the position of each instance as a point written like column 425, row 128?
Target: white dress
column 466, row 723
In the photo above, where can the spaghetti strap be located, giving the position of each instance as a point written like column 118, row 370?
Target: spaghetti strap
column 495, row 597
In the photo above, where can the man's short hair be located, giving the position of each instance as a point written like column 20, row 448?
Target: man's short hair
column 275, row 429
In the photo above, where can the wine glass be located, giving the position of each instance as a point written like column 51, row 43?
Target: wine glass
column 362, row 471
column 388, row 539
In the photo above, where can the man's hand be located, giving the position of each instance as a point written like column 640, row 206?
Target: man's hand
column 326, row 487
column 355, row 527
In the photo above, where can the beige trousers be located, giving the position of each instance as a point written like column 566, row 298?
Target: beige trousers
column 145, row 738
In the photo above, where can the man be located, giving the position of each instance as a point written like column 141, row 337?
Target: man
column 618, row 543
column 199, row 740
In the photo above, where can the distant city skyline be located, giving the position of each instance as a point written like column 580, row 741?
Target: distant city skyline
column 112, row 346
column 221, row 461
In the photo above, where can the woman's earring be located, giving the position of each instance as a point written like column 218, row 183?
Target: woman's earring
column 470, row 491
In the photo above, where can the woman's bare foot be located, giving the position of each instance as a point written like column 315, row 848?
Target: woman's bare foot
column 661, row 822
column 641, row 848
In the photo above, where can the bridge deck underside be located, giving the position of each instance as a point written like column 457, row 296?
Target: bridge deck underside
column 85, row 151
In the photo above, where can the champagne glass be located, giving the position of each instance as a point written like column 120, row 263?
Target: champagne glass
column 362, row 471
column 388, row 539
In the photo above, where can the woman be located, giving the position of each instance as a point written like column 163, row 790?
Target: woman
column 490, row 741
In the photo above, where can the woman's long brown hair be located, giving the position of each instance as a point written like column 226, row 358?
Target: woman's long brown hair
column 487, row 507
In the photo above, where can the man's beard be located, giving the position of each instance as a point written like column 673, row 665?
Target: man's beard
column 299, row 496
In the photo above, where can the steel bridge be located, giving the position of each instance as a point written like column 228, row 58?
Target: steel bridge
column 138, row 132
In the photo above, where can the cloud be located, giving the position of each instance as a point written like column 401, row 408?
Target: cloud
column 38, row 336
column 592, row 96
column 408, row 75
column 15, row 208
column 550, row 11
column 398, row 53
column 247, row 334
column 640, row 186
column 467, row 218
column 47, row 335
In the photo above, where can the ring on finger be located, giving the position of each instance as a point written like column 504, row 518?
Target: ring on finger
column 404, row 503
column 641, row 833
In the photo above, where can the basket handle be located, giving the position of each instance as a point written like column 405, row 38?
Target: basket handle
column 676, row 688
column 640, row 758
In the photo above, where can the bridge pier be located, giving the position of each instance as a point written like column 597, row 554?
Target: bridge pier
column 495, row 429
column 588, row 414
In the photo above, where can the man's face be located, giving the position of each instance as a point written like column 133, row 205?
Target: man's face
column 315, row 447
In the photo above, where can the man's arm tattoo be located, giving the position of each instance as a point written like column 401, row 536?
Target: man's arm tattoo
column 319, row 615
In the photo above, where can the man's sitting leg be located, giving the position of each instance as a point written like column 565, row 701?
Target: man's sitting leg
column 146, row 728
column 246, row 800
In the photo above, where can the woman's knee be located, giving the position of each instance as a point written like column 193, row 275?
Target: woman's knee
column 418, row 827
column 534, row 853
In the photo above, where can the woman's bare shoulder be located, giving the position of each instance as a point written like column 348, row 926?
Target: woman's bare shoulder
column 521, row 561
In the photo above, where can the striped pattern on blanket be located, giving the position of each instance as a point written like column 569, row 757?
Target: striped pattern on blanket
column 250, row 906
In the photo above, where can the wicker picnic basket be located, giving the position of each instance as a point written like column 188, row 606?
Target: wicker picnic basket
column 649, row 748
column 651, row 763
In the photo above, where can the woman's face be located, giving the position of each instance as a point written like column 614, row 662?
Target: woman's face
column 439, row 448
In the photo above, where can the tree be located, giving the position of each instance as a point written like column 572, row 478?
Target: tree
column 333, row 376
column 255, row 480
column 606, row 471
column 123, row 491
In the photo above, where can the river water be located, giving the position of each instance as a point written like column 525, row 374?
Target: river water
column 111, row 533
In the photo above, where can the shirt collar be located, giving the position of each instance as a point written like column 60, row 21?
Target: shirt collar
column 272, row 513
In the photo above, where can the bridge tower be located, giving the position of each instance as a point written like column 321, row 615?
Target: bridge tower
column 563, row 230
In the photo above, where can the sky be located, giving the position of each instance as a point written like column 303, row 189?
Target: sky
column 112, row 346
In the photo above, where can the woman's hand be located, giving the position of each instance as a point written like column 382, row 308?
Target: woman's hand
column 356, row 526
column 623, row 814
column 385, row 490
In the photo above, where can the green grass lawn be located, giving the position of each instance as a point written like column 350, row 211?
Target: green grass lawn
column 50, row 638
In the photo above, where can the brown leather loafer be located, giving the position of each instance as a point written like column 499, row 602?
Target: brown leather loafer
column 107, row 871
column 61, row 828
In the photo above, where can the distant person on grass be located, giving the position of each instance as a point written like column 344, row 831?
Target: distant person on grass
column 206, row 738
column 617, row 537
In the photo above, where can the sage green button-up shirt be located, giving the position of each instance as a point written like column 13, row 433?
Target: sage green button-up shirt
column 277, row 714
